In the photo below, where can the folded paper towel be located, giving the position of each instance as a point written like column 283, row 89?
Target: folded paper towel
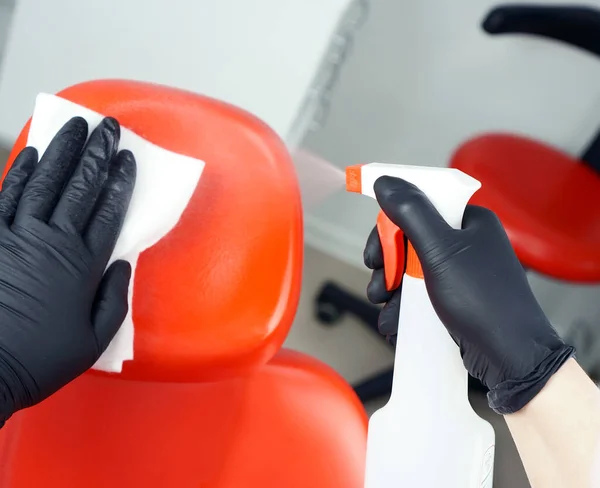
column 149, row 219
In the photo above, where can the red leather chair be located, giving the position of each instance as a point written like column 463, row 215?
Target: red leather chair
column 210, row 399
column 546, row 199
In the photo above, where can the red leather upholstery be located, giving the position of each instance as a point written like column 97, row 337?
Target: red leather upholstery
column 213, row 301
column 294, row 423
column 548, row 202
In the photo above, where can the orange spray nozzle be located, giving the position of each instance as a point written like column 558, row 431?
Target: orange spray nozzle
column 354, row 178
column 396, row 258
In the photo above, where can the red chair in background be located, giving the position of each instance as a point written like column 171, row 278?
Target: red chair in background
column 550, row 210
column 210, row 399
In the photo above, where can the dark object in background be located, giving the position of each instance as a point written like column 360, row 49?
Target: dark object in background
column 575, row 25
column 333, row 302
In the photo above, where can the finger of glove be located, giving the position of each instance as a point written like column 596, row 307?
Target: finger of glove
column 476, row 217
column 373, row 253
column 56, row 165
column 79, row 197
column 411, row 210
column 107, row 219
column 111, row 305
column 14, row 183
column 376, row 289
column 486, row 222
column 390, row 313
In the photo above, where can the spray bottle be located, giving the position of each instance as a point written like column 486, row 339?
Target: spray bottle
column 427, row 435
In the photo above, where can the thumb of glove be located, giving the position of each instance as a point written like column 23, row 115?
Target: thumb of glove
column 111, row 305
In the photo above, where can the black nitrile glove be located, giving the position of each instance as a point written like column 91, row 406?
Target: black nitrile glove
column 59, row 221
column 479, row 290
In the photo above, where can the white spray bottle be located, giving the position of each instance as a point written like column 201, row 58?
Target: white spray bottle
column 427, row 435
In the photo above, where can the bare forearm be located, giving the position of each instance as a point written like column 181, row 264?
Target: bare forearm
column 539, row 464
column 560, row 428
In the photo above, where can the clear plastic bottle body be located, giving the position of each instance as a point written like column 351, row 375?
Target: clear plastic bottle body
column 428, row 435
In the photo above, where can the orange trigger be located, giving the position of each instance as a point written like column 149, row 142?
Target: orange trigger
column 392, row 245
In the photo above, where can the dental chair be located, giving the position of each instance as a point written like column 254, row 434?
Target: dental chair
column 211, row 399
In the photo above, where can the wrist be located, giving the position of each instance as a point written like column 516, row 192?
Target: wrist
column 513, row 394
column 566, row 416
column 570, row 384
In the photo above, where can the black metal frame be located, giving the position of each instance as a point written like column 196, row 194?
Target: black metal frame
column 577, row 26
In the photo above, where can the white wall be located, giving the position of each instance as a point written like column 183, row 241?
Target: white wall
column 262, row 55
column 6, row 14
column 422, row 78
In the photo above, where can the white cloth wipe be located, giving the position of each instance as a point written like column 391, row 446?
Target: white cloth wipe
column 164, row 185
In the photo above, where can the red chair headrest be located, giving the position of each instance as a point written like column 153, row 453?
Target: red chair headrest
column 218, row 294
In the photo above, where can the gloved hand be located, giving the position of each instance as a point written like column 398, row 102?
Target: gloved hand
column 479, row 290
column 59, row 222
